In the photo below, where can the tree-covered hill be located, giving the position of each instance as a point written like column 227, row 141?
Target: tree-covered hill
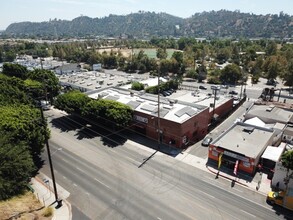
column 136, row 24
column 147, row 24
column 235, row 24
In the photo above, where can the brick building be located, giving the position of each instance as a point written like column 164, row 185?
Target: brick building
column 179, row 124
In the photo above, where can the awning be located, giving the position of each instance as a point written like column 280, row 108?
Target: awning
column 273, row 153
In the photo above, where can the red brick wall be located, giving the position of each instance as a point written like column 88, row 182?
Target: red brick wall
column 194, row 129
column 223, row 109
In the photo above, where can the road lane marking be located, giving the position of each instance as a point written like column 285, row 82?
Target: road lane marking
column 102, row 183
column 208, row 194
column 234, row 193
column 227, row 213
column 66, row 161
column 79, row 169
column 74, row 184
column 248, row 213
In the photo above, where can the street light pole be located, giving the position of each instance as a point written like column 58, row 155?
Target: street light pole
column 59, row 202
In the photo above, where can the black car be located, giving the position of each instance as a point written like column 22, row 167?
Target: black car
column 202, row 87
column 233, row 92
column 206, row 141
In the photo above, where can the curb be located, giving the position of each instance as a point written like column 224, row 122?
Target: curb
column 65, row 202
column 242, row 184
column 226, row 177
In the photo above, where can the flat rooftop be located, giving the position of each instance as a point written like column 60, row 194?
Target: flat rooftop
column 245, row 139
column 200, row 97
column 170, row 109
column 270, row 113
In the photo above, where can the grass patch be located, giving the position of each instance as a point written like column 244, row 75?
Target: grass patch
column 48, row 212
column 152, row 52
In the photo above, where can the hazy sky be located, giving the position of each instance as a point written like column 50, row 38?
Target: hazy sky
column 42, row 10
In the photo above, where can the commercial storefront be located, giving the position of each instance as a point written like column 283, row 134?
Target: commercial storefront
column 240, row 147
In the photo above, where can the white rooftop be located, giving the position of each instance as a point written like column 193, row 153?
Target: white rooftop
column 169, row 109
column 274, row 153
column 148, row 82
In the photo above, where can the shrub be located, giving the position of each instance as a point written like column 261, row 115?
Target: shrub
column 48, row 212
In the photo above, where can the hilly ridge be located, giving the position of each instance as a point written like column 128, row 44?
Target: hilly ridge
column 147, row 24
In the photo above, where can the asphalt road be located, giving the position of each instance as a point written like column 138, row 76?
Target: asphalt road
column 128, row 182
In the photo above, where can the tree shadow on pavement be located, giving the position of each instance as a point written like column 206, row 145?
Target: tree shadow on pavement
column 84, row 129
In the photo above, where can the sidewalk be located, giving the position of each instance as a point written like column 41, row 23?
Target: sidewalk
column 43, row 189
column 259, row 183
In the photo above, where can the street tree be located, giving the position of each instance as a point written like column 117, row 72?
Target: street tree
column 12, row 91
column 287, row 76
column 24, row 123
column 50, row 82
column 231, row 74
column 287, row 162
column 16, row 165
column 137, row 86
column 108, row 111
column 72, row 102
column 17, row 70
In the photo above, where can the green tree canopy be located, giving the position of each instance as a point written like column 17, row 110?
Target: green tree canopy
column 192, row 74
column 12, row 91
column 16, row 166
column 109, row 111
column 24, row 123
column 137, row 86
column 72, row 102
column 287, row 159
column 231, row 74
column 162, row 53
column 16, row 70
column 49, row 81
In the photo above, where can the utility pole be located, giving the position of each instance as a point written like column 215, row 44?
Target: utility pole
column 279, row 94
column 59, row 202
column 159, row 125
column 214, row 106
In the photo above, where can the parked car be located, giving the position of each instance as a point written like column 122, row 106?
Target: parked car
column 203, row 87
column 233, row 92
column 165, row 93
column 206, row 141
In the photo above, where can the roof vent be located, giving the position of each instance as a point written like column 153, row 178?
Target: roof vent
column 248, row 129
column 171, row 102
column 270, row 108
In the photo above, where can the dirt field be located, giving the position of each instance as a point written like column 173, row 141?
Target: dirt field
column 27, row 204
